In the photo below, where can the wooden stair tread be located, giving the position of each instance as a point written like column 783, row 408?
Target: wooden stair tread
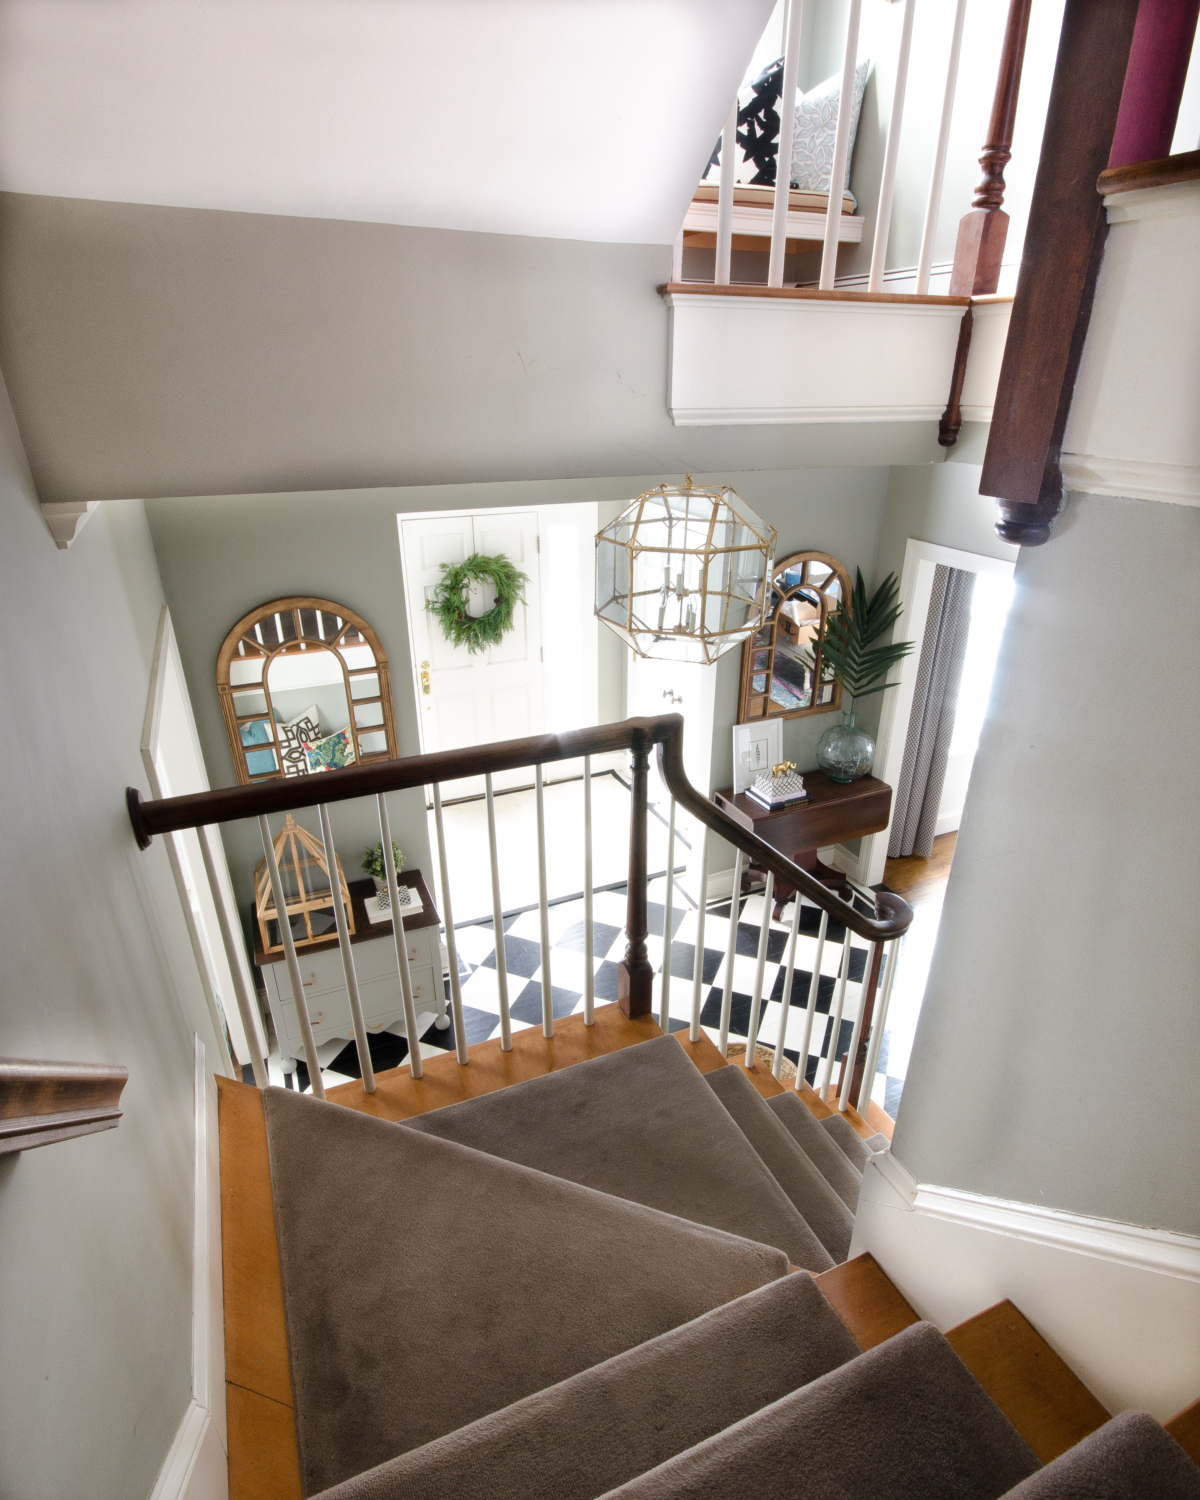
column 1037, row 1391
column 264, row 1463
column 1184, row 1427
column 866, row 1300
column 400, row 1096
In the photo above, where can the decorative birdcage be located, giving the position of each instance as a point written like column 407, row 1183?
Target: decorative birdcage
column 307, row 891
column 681, row 572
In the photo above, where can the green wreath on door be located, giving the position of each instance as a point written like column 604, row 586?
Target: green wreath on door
column 449, row 602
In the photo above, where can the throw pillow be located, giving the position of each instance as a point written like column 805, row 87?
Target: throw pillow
column 259, row 762
column 331, row 753
column 816, row 127
column 304, row 729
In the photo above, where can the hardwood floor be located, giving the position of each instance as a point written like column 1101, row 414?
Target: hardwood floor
column 915, row 878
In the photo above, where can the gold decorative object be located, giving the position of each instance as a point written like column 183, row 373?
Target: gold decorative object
column 291, row 655
column 777, row 682
column 681, row 572
column 307, row 891
column 783, row 768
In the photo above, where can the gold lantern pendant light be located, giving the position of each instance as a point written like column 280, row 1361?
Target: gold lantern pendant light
column 681, row 573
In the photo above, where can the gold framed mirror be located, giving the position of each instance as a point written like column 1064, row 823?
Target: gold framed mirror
column 805, row 589
column 304, row 687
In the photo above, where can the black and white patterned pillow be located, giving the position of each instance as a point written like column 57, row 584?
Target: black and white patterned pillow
column 293, row 736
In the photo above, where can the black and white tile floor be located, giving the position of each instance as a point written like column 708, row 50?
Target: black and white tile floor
column 481, row 997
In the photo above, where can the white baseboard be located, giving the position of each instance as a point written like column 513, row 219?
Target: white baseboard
column 1119, row 1303
column 196, row 1466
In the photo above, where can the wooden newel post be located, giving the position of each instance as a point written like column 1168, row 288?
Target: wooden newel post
column 635, row 972
column 983, row 232
column 870, row 990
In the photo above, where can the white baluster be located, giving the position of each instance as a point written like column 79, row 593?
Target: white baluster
column 498, row 921
column 777, row 1064
column 701, row 913
column 725, row 197
column 730, row 949
column 878, row 1023
column 887, row 186
column 664, row 999
column 810, row 1011
column 873, row 953
column 839, row 1004
column 589, row 973
column 544, row 911
column 841, row 150
column 343, row 934
column 416, row 1066
column 460, row 1040
column 783, row 159
column 764, row 933
column 234, row 953
column 934, row 202
column 293, row 964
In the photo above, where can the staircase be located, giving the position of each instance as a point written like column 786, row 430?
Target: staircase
column 610, row 1263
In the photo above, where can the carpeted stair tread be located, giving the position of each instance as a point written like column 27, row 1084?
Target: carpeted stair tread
column 614, row 1421
column 848, row 1139
column 426, row 1284
column 640, row 1124
column 902, row 1421
column 818, row 1145
column 1129, row 1458
column 819, row 1205
column 877, row 1143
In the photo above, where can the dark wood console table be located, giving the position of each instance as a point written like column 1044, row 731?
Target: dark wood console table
column 834, row 813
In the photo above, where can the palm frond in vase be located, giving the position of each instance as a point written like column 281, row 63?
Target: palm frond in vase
column 858, row 664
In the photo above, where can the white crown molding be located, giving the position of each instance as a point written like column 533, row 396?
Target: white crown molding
column 1131, row 478
column 714, row 416
column 1173, row 200
column 889, row 1183
column 66, row 518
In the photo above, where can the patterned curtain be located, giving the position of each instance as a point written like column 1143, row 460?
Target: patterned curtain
column 931, row 728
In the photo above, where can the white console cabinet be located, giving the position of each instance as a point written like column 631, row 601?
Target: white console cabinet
column 378, row 977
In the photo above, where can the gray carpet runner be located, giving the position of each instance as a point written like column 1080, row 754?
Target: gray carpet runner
column 848, row 1139
column 640, row 1124
column 818, row 1145
column 426, row 1284
column 1129, row 1458
column 816, row 1201
column 600, row 1428
column 905, row 1420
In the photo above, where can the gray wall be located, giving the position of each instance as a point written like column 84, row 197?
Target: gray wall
column 1060, row 1031
column 95, row 1233
column 166, row 351
column 221, row 556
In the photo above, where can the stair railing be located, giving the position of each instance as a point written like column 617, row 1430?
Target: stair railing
column 642, row 737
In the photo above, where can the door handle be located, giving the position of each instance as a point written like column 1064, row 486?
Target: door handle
column 425, row 677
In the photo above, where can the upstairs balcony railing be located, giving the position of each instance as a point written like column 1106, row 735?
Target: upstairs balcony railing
column 881, row 931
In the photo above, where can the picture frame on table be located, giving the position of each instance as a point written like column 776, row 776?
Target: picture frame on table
column 756, row 748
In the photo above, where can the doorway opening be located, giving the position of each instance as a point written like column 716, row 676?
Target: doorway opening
column 955, row 607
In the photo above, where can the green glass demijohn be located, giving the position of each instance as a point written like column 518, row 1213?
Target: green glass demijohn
column 845, row 752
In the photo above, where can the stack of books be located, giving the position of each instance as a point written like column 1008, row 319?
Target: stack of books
column 779, row 787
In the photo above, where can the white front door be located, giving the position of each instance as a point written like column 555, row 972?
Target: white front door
column 473, row 698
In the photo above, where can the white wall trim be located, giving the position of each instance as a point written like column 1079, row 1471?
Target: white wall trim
column 1171, row 200
column 66, row 519
column 196, row 1466
column 1129, row 1244
column 1133, row 479
column 751, row 416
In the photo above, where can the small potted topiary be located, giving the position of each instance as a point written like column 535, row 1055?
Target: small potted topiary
column 374, row 866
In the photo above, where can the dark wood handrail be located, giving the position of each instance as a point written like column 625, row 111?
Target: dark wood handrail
column 289, row 794
column 43, row 1102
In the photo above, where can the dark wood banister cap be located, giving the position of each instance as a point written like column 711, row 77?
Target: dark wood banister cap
column 1183, row 167
column 288, row 794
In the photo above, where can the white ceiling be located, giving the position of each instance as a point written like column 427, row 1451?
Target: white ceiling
column 573, row 119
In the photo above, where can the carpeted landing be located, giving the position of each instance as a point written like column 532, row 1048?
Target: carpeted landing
column 578, row 1286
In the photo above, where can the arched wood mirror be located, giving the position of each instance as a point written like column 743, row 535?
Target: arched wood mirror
column 806, row 589
column 304, row 687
